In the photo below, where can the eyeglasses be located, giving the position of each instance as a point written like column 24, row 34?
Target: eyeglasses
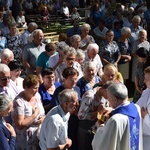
column 5, row 78
column 70, row 58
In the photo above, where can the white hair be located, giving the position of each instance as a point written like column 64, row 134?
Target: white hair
column 74, row 38
column 4, row 101
column 88, row 64
column 91, row 46
column 85, row 26
column 67, row 95
column 125, row 31
column 80, row 53
column 7, row 53
column 36, row 32
column 70, row 50
column 4, row 68
column 118, row 90
column 136, row 17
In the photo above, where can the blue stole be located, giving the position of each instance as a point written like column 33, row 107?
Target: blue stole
column 134, row 120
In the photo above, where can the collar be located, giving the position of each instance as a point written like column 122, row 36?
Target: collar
column 65, row 116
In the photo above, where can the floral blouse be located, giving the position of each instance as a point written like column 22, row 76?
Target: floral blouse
column 26, row 138
column 14, row 44
column 89, row 104
column 110, row 52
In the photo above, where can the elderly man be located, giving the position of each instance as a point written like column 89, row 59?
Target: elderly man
column 32, row 51
column 122, row 131
column 4, row 77
column 31, row 27
column 7, row 56
column 92, row 55
column 53, row 134
column 135, row 28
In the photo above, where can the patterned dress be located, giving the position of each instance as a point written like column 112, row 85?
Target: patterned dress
column 14, row 44
column 26, row 138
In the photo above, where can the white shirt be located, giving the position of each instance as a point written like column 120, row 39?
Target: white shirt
column 144, row 101
column 100, row 33
column 97, row 61
column 54, row 129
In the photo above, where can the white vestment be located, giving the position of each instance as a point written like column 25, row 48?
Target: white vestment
column 115, row 135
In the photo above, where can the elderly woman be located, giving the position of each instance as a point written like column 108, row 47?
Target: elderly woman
column 47, row 88
column 80, row 57
column 86, row 39
column 69, row 61
column 141, row 42
column 28, row 114
column 90, row 105
column 75, row 41
column 125, row 46
column 92, row 55
column 109, row 50
column 15, row 42
column 7, row 132
column 89, row 78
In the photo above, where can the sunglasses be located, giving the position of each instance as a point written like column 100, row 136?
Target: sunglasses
column 5, row 78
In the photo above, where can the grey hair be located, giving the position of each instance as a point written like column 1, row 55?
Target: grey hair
column 36, row 32
column 125, row 31
column 4, row 101
column 32, row 25
column 66, row 95
column 4, row 68
column 74, row 38
column 7, row 53
column 88, row 64
column 85, row 26
column 118, row 90
column 91, row 46
column 137, row 17
column 69, row 51
column 80, row 53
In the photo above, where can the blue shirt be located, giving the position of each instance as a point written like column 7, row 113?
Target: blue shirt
column 71, row 31
column 45, row 96
column 7, row 142
column 55, row 100
column 85, row 86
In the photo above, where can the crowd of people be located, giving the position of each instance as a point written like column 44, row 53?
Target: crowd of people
column 72, row 94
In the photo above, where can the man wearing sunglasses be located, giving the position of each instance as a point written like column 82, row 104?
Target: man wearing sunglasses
column 4, row 77
column 4, row 82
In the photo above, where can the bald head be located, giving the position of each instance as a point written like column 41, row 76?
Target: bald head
column 7, row 56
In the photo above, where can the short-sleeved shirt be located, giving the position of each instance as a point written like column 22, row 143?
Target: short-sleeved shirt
column 27, row 138
column 14, row 44
column 45, row 96
column 31, row 53
column 97, row 61
column 24, row 36
column 109, row 52
column 54, row 129
column 43, row 60
column 71, row 31
column 63, row 66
